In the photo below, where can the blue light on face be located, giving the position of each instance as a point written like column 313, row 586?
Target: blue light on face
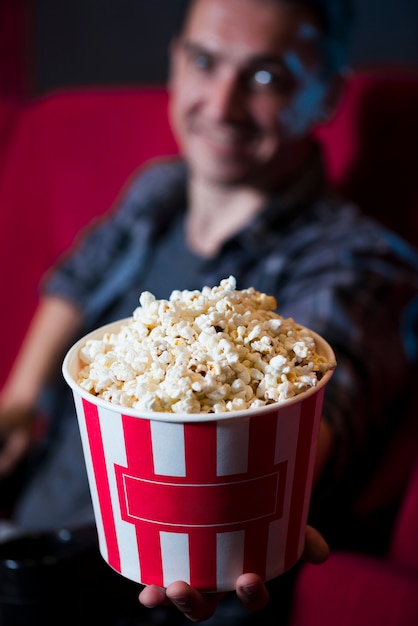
column 307, row 103
column 333, row 49
column 309, row 32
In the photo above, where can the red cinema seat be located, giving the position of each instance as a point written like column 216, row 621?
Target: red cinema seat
column 70, row 157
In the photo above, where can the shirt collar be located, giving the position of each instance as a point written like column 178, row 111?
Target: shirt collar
column 291, row 203
column 283, row 207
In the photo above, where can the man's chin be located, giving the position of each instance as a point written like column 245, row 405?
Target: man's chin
column 225, row 177
column 223, row 171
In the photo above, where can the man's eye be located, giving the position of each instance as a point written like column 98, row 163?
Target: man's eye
column 263, row 77
column 202, row 61
column 273, row 80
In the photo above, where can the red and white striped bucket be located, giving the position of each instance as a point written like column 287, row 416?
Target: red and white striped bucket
column 199, row 498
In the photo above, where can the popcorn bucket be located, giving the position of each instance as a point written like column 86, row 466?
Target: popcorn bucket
column 199, row 497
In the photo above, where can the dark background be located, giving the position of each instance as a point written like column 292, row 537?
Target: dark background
column 79, row 42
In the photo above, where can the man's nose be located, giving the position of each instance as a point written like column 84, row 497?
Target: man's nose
column 227, row 102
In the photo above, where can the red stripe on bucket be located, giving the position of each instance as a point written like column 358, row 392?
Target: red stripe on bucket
column 140, row 462
column 94, row 435
column 202, row 551
column 138, row 445
column 200, row 452
column 255, row 554
column 303, row 452
column 262, row 442
column 200, row 456
column 149, row 550
column 190, row 505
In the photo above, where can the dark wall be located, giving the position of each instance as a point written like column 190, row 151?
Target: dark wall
column 101, row 41
column 386, row 32
column 80, row 42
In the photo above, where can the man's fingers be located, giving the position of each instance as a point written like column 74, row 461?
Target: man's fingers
column 13, row 449
column 193, row 604
column 152, row 596
column 316, row 548
column 250, row 588
column 252, row 592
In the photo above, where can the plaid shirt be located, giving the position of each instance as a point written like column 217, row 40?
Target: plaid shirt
column 328, row 266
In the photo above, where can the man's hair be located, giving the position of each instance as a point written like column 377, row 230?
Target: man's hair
column 335, row 16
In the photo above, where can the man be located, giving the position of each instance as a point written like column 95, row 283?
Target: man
column 249, row 81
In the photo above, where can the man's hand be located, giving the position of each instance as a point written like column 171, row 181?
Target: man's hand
column 249, row 588
column 15, row 438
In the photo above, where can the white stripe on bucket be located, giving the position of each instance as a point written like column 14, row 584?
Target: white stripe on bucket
column 168, row 448
column 229, row 569
column 115, row 453
column 232, row 447
column 175, row 557
column 90, row 473
column 317, row 422
column 286, row 442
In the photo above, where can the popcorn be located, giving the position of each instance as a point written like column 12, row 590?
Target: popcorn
column 209, row 351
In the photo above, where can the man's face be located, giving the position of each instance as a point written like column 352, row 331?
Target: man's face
column 245, row 87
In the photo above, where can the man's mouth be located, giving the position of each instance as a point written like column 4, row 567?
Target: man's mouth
column 226, row 139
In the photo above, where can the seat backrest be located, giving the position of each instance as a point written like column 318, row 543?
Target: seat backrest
column 9, row 109
column 371, row 146
column 76, row 150
column 404, row 544
column 70, row 157
column 371, row 149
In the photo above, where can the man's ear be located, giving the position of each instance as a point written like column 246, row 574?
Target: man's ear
column 173, row 54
